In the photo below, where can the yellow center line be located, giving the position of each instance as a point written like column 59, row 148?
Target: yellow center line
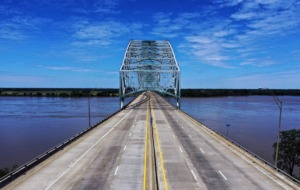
column 145, row 149
column 159, row 150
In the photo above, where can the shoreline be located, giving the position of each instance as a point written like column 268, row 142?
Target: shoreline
column 114, row 92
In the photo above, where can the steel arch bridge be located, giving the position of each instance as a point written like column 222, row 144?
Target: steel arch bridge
column 149, row 66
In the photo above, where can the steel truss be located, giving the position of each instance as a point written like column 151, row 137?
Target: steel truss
column 149, row 66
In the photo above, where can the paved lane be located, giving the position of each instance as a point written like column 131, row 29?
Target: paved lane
column 179, row 173
column 108, row 157
column 216, row 164
column 151, row 146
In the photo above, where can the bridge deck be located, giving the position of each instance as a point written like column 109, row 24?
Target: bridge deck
column 129, row 151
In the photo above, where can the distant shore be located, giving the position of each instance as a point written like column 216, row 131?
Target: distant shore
column 59, row 92
column 113, row 92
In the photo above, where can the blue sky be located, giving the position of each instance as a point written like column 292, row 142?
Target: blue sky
column 218, row 44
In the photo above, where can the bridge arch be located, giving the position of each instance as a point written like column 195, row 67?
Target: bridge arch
column 149, row 65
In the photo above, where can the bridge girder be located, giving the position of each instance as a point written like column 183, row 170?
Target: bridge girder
column 149, row 65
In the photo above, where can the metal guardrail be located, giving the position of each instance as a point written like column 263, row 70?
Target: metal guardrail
column 32, row 163
column 293, row 179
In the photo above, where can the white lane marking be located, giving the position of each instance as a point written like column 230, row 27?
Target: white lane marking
column 260, row 170
column 194, row 175
column 49, row 186
column 169, row 126
column 132, row 126
column 202, row 150
column 190, row 136
column 180, row 149
column 222, row 175
column 129, row 134
column 116, row 170
column 173, row 135
column 283, row 186
column 181, row 126
column 255, row 166
column 125, row 147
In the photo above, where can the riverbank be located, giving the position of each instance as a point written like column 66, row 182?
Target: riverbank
column 114, row 92
column 60, row 92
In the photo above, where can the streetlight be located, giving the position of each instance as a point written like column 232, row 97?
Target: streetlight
column 89, row 108
column 227, row 125
column 279, row 104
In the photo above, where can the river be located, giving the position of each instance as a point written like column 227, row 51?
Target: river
column 31, row 125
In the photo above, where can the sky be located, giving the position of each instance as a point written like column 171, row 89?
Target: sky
column 218, row 43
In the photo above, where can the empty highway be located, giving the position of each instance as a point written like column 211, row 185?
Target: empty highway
column 151, row 146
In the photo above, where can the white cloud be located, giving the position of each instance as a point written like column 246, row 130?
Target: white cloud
column 270, row 17
column 162, row 18
column 244, row 16
column 91, row 43
column 73, row 69
column 82, row 54
column 89, row 36
column 225, row 41
column 208, row 50
column 101, row 33
column 11, row 34
column 199, row 39
column 224, row 32
column 82, row 6
column 206, row 40
column 261, row 62
column 21, row 27
column 171, row 25
column 101, row 30
column 252, row 23
column 230, row 45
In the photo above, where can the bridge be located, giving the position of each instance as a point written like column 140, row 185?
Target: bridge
column 148, row 144
column 149, row 65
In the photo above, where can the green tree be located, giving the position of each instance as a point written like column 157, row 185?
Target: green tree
column 289, row 150
column 3, row 172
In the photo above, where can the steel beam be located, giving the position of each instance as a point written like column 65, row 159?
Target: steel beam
column 149, row 65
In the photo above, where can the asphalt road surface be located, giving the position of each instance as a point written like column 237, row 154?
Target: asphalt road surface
column 151, row 145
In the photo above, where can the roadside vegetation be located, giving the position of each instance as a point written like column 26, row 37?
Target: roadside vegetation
column 5, row 171
column 289, row 151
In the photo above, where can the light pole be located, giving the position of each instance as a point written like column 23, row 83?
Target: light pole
column 279, row 104
column 227, row 125
column 89, row 108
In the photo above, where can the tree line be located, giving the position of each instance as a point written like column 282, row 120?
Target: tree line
column 237, row 92
column 84, row 92
column 59, row 92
